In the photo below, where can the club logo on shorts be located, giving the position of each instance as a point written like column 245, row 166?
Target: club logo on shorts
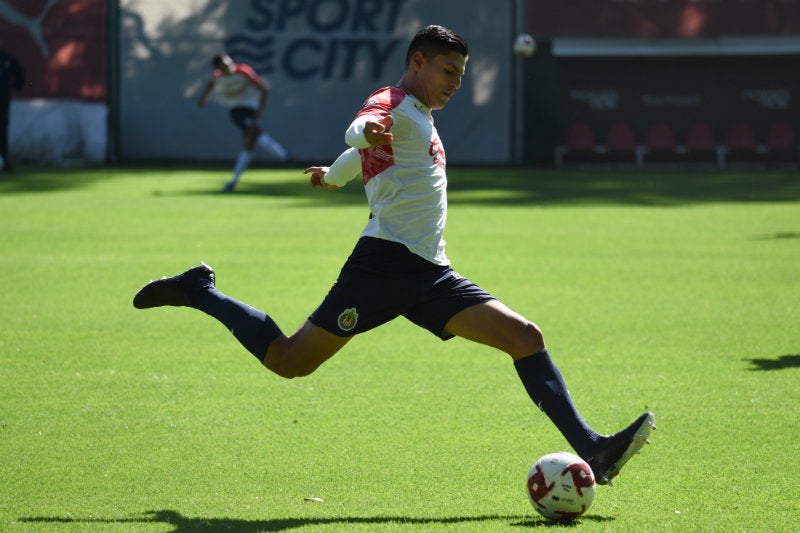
column 348, row 319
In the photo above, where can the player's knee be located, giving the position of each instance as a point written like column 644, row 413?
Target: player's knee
column 287, row 371
column 530, row 341
column 289, row 367
column 300, row 371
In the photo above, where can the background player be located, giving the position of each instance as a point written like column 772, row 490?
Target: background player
column 12, row 78
column 244, row 92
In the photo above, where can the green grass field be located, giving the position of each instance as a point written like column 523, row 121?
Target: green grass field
column 675, row 292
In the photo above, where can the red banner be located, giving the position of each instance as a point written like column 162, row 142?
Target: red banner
column 662, row 18
column 61, row 44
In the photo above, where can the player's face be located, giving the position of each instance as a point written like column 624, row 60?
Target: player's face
column 439, row 77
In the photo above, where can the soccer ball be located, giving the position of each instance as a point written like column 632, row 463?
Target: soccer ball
column 561, row 486
column 524, row 45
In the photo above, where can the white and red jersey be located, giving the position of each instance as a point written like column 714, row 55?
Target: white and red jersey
column 405, row 181
column 237, row 89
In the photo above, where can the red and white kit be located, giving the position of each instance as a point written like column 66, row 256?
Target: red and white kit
column 405, row 181
column 237, row 89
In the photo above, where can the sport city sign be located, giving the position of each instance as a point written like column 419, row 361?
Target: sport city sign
column 319, row 39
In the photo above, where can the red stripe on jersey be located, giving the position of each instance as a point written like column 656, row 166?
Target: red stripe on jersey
column 246, row 71
column 379, row 105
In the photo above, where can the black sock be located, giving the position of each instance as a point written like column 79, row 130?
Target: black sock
column 251, row 327
column 547, row 389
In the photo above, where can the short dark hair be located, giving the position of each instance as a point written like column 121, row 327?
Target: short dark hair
column 435, row 40
column 218, row 59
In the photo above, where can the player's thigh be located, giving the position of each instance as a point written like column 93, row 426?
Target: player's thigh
column 251, row 134
column 492, row 323
column 304, row 351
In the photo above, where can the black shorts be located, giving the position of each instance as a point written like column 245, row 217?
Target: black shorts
column 382, row 280
column 244, row 117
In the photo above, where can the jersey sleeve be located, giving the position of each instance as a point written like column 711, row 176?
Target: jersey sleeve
column 378, row 106
column 346, row 167
column 354, row 136
column 248, row 73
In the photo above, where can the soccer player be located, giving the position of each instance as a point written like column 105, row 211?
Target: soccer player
column 12, row 77
column 244, row 93
column 398, row 266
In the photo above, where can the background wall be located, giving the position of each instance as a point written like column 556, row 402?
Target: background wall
column 681, row 92
column 651, row 19
column 118, row 80
column 673, row 62
column 60, row 114
column 322, row 58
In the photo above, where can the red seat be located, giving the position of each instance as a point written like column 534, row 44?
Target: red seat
column 621, row 141
column 700, row 138
column 781, row 138
column 580, row 138
column 741, row 138
column 621, row 138
column 660, row 138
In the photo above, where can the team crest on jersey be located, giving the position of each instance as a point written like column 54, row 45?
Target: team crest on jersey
column 348, row 319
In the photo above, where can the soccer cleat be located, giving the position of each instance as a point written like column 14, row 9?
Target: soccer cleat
column 229, row 186
column 617, row 449
column 174, row 291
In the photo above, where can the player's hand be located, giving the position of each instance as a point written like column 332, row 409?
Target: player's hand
column 318, row 177
column 377, row 133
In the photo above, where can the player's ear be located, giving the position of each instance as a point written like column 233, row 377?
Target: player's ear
column 417, row 61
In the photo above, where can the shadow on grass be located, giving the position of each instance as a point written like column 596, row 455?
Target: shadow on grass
column 470, row 185
column 779, row 235
column 27, row 180
column 512, row 186
column 781, row 363
column 185, row 524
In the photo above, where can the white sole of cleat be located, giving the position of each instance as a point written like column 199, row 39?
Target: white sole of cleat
column 640, row 439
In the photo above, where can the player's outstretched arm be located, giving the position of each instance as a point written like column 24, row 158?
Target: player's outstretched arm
column 263, row 93
column 346, row 167
column 318, row 177
column 204, row 95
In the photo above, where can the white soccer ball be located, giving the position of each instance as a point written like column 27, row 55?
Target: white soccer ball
column 524, row 45
column 561, row 486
